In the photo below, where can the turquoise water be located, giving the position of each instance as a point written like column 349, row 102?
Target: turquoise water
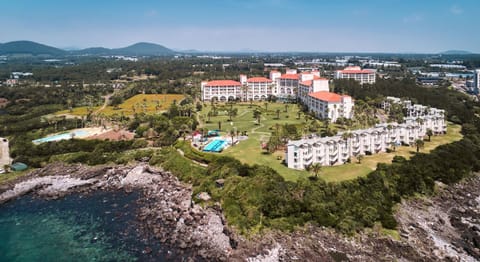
column 215, row 146
column 62, row 136
column 100, row 227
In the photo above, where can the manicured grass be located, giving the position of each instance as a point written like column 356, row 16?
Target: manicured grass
column 146, row 103
column 250, row 151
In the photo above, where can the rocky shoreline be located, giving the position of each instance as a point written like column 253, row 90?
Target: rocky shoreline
column 445, row 227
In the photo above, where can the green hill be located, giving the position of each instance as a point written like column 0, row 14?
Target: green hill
column 29, row 47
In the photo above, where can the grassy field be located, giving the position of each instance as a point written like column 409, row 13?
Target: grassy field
column 77, row 111
column 147, row 103
column 250, row 151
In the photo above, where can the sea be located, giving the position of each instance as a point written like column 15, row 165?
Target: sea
column 100, row 226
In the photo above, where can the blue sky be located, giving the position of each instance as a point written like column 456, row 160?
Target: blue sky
column 266, row 25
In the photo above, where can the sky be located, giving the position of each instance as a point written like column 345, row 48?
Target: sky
column 419, row 26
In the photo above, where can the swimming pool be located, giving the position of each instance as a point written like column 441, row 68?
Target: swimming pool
column 216, row 145
column 62, row 136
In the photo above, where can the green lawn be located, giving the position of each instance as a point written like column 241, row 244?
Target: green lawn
column 250, row 151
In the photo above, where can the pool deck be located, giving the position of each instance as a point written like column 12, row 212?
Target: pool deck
column 85, row 133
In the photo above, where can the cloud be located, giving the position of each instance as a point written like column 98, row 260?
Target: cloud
column 456, row 10
column 414, row 18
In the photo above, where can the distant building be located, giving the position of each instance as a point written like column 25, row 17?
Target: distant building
column 429, row 81
column 364, row 76
column 476, row 81
column 449, row 66
column 11, row 82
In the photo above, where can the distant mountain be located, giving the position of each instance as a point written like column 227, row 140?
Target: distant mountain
column 33, row 48
column 29, row 47
column 143, row 49
column 456, row 52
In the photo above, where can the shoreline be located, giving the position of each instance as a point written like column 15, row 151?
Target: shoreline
column 168, row 214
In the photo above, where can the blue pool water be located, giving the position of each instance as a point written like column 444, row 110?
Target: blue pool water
column 215, row 146
column 62, row 136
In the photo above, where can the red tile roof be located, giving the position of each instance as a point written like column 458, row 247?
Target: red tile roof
column 259, row 80
column 327, row 96
column 223, row 83
column 319, row 78
column 306, row 83
column 289, row 76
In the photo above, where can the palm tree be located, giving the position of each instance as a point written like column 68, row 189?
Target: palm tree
column 278, row 113
column 286, row 108
column 232, row 134
column 393, row 145
column 266, row 106
column 256, row 114
column 360, row 158
column 429, row 134
column 346, row 137
column 316, row 168
column 419, row 144
column 209, row 115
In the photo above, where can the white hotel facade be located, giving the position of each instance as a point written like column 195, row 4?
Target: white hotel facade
column 311, row 89
column 364, row 76
column 336, row 150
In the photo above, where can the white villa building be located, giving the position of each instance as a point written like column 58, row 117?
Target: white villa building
column 336, row 150
column 364, row 76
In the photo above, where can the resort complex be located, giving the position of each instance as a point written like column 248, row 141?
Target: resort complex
column 419, row 122
column 307, row 87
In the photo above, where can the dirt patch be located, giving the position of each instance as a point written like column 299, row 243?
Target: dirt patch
column 113, row 135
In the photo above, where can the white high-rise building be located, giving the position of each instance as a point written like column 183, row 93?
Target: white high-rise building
column 364, row 76
column 476, row 81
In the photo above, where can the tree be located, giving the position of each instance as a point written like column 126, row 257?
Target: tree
column 346, row 137
column 419, row 144
column 256, row 114
column 209, row 115
column 278, row 113
column 286, row 108
column 316, row 168
column 360, row 158
column 219, row 125
column 393, row 145
column 266, row 106
column 429, row 134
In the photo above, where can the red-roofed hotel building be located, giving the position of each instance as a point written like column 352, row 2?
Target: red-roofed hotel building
column 325, row 104
column 221, row 90
column 364, row 76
